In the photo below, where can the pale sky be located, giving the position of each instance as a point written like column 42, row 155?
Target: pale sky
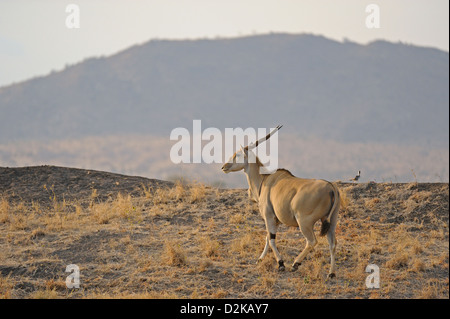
column 34, row 38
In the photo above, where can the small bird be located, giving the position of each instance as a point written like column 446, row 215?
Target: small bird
column 355, row 179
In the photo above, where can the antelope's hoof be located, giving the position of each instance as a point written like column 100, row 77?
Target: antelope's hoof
column 281, row 266
column 295, row 266
column 331, row 275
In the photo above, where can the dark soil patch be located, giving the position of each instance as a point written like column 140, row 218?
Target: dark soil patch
column 43, row 184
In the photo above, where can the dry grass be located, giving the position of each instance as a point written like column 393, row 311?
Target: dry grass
column 194, row 241
column 173, row 254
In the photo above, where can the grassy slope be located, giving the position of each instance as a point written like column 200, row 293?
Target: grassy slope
column 156, row 240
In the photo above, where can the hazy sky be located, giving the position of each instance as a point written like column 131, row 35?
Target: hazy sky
column 34, row 38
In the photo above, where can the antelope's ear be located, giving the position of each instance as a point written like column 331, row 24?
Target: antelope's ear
column 244, row 151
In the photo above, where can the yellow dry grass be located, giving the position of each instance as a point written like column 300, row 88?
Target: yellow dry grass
column 194, row 241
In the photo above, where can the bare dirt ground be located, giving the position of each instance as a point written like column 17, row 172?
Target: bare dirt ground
column 133, row 237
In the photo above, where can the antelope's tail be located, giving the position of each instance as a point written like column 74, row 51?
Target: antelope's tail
column 336, row 204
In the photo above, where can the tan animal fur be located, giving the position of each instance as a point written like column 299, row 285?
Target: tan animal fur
column 290, row 200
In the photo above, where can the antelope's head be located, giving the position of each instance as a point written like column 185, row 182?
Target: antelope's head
column 240, row 159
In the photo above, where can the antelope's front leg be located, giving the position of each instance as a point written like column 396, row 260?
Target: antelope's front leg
column 271, row 227
column 250, row 195
column 266, row 249
column 276, row 252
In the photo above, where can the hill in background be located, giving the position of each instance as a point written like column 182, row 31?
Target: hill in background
column 386, row 96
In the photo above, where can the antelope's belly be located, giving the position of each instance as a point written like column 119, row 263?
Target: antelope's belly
column 286, row 216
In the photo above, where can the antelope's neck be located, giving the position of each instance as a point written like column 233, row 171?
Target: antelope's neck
column 254, row 178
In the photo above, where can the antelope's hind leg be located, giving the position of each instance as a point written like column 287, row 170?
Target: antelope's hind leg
column 331, row 236
column 307, row 229
column 332, row 242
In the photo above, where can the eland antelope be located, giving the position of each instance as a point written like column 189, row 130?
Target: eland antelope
column 293, row 201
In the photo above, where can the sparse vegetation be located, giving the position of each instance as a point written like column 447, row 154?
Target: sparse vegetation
column 194, row 241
